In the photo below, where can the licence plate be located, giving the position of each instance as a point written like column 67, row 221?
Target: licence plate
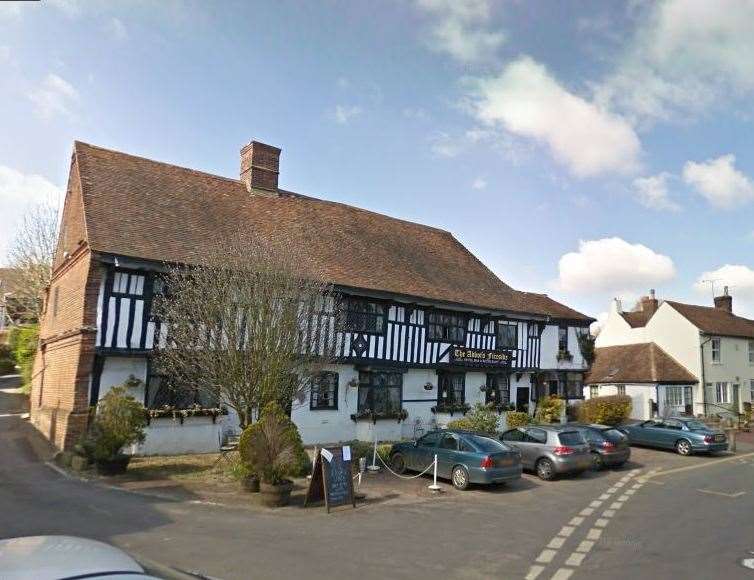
column 505, row 462
column 719, row 437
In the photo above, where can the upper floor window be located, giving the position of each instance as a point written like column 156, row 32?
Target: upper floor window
column 751, row 352
column 498, row 389
column 446, row 327
column 716, row 358
column 360, row 315
column 451, row 388
column 563, row 338
column 507, row 335
column 128, row 283
column 324, row 393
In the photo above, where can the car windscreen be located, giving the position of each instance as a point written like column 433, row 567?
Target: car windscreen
column 613, row 435
column 571, row 438
column 695, row 425
column 485, row 444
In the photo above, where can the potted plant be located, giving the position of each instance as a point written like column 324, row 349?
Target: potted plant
column 272, row 448
column 119, row 421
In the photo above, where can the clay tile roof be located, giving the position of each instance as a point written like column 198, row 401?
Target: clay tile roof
column 636, row 363
column 715, row 320
column 637, row 319
column 145, row 209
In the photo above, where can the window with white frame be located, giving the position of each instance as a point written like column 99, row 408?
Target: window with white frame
column 751, row 390
column 594, row 391
column 716, row 358
column 620, row 389
column 721, row 392
column 751, row 352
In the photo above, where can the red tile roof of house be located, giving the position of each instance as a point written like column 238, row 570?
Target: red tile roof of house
column 637, row 318
column 150, row 210
column 636, row 363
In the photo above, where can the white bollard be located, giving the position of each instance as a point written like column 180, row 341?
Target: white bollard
column 434, row 486
column 374, row 467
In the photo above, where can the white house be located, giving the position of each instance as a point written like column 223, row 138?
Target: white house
column 427, row 329
column 712, row 344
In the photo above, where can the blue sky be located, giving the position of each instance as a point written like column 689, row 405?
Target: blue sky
column 585, row 150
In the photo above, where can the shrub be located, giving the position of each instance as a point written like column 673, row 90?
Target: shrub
column 120, row 421
column 272, row 447
column 481, row 419
column 384, row 451
column 517, row 419
column 549, row 409
column 7, row 360
column 610, row 410
column 23, row 342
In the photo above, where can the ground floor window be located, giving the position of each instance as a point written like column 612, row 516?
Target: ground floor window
column 751, row 390
column 498, row 389
column 451, row 389
column 380, row 391
column 594, row 391
column 162, row 392
column 721, row 392
column 324, row 392
column 620, row 389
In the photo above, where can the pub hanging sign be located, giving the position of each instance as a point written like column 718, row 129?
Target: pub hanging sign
column 482, row 357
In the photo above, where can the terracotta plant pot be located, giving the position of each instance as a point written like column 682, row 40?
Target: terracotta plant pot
column 113, row 466
column 275, row 495
column 250, row 483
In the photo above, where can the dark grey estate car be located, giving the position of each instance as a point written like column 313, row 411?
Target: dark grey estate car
column 550, row 450
column 609, row 446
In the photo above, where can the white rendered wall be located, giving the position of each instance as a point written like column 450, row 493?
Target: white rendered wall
column 640, row 395
column 117, row 369
column 549, row 350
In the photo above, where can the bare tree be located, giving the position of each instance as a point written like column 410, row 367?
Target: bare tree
column 248, row 323
column 30, row 255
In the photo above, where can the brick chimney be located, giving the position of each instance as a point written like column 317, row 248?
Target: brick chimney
column 649, row 303
column 260, row 165
column 724, row 302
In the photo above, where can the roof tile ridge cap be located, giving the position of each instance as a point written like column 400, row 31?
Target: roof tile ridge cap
column 165, row 163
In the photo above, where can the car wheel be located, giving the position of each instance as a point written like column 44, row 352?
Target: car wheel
column 683, row 447
column 598, row 464
column 460, row 477
column 545, row 469
column 398, row 464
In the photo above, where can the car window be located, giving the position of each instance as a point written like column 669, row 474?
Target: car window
column 449, row 442
column 652, row 424
column 513, row 435
column 429, row 440
column 466, row 446
column 593, row 436
column 672, row 424
column 536, row 435
column 614, row 435
column 486, row 445
column 695, row 425
column 571, row 438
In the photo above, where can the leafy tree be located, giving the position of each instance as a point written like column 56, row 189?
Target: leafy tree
column 23, row 343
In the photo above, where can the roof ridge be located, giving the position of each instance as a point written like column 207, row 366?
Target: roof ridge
column 710, row 308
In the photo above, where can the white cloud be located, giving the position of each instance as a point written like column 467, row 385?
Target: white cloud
column 18, row 192
column 479, row 183
column 116, row 29
column 740, row 280
column 612, row 265
column 55, row 96
column 719, row 182
column 685, row 56
column 461, row 29
column 527, row 101
column 343, row 114
column 597, row 326
column 652, row 192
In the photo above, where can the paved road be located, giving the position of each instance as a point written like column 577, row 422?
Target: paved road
column 482, row 534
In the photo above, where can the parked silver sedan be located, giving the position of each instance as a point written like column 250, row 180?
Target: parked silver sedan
column 550, row 450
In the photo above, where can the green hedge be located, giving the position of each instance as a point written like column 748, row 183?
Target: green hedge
column 23, row 342
column 481, row 419
column 7, row 360
column 517, row 419
column 610, row 410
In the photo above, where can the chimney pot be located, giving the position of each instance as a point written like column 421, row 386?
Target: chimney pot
column 260, row 166
column 724, row 302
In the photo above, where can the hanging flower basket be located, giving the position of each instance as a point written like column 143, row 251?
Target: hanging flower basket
column 374, row 416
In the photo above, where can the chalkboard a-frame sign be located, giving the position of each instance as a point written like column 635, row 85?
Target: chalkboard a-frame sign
column 331, row 478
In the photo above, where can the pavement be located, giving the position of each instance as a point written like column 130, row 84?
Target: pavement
column 666, row 526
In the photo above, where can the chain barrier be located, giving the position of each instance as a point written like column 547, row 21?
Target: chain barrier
column 430, row 466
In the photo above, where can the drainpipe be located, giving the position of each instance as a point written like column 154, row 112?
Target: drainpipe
column 704, row 382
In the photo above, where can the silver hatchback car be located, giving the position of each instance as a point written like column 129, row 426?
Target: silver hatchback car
column 550, row 450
